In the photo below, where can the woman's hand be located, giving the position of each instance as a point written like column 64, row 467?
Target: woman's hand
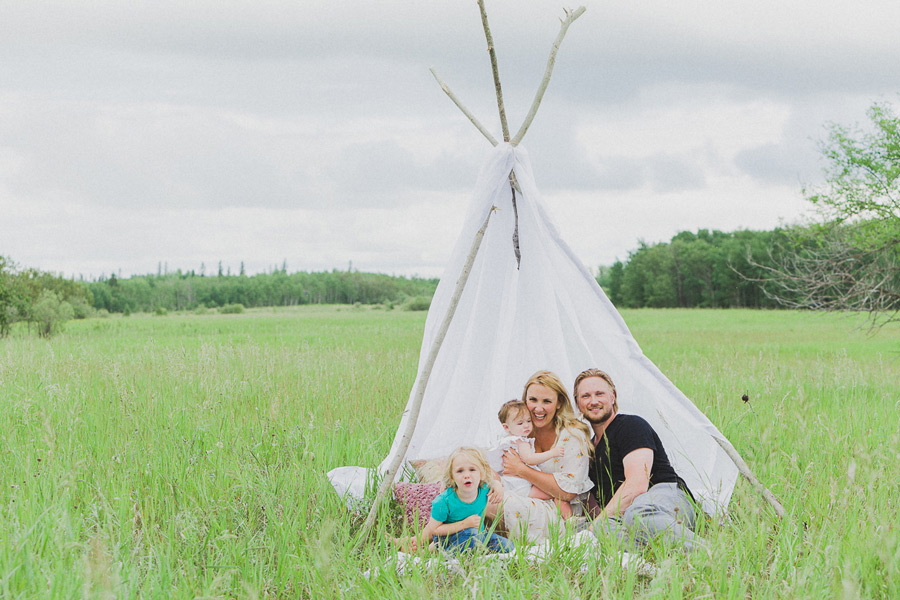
column 495, row 496
column 512, row 464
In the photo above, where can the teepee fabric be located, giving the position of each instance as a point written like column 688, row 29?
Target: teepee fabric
column 547, row 314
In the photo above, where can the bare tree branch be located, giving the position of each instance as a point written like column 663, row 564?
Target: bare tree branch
column 836, row 275
column 571, row 15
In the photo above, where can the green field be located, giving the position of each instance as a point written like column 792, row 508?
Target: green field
column 185, row 456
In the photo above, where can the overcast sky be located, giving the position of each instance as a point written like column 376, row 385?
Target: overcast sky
column 311, row 131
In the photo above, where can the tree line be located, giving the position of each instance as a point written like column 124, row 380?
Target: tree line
column 707, row 269
column 850, row 260
column 45, row 300
column 188, row 291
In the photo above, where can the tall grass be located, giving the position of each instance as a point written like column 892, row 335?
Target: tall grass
column 185, row 456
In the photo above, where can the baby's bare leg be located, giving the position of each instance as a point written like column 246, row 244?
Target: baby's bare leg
column 539, row 494
column 565, row 509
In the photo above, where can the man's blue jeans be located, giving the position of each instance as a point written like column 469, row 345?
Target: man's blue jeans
column 469, row 539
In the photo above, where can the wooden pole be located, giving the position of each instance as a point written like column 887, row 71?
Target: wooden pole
column 732, row 453
column 416, row 405
column 571, row 15
column 464, row 110
column 494, row 69
column 419, row 394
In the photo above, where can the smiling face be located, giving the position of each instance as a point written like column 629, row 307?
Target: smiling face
column 465, row 474
column 542, row 403
column 519, row 424
column 596, row 400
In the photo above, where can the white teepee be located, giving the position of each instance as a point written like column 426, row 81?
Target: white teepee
column 548, row 314
column 495, row 320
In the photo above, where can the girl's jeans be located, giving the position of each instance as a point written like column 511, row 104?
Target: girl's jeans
column 472, row 538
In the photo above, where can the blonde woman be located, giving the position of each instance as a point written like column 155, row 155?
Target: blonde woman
column 565, row 478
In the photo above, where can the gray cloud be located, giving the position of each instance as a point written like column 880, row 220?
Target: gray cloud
column 558, row 159
column 329, row 106
column 775, row 163
column 620, row 173
column 661, row 172
column 151, row 155
column 796, row 159
column 384, row 173
column 668, row 173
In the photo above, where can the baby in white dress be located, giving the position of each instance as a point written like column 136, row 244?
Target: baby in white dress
column 516, row 420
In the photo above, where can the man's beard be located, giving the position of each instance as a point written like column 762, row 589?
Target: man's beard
column 601, row 419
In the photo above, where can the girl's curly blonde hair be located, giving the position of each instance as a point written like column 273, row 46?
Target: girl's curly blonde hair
column 476, row 457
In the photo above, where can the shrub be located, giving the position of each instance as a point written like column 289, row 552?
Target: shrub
column 50, row 313
column 160, row 311
column 417, row 303
column 80, row 307
column 232, row 309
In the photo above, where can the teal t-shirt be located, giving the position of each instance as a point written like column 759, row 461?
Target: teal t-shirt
column 448, row 508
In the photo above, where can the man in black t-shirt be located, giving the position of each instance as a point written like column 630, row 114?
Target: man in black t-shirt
column 635, row 486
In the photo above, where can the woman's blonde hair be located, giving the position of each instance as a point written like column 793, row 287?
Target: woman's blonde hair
column 564, row 417
column 476, row 457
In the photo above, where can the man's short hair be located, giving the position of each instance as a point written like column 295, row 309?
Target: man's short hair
column 596, row 373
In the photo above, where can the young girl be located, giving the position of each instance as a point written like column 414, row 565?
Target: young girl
column 456, row 513
column 516, row 420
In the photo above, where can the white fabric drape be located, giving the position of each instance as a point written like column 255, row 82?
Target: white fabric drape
column 548, row 314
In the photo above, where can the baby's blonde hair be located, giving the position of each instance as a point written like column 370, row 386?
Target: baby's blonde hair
column 476, row 457
column 512, row 409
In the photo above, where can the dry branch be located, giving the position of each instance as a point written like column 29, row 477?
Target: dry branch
column 464, row 109
column 495, row 70
column 836, row 275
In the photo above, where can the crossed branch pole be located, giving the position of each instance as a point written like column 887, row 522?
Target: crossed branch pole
column 571, row 15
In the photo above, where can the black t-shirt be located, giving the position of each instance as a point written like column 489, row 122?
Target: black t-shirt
column 625, row 434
